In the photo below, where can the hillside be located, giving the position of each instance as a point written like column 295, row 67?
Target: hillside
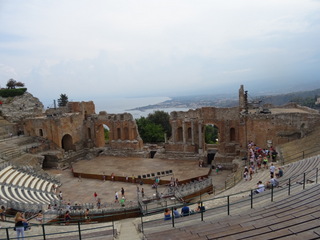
column 199, row 101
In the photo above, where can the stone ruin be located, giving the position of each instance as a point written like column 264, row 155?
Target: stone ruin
column 77, row 127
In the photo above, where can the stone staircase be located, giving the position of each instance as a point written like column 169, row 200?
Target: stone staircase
column 14, row 147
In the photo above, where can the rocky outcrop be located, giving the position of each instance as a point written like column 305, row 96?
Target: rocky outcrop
column 15, row 109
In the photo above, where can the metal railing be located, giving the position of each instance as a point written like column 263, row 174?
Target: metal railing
column 245, row 199
column 75, row 229
column 300, row 155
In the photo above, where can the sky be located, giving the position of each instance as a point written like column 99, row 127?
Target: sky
column 90, row 49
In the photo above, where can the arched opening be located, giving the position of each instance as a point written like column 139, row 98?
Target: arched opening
column 189, row 133
column 89, row 133
column 126, row 133
column 211, row 134
column 40, row 132
column 50, row 161
column 232, row 134
column 67, row 143
column 102, row 135
column 106, row 131
column 118, row 133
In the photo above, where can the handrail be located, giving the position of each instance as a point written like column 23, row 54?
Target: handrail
column 285, row 182
column 301, row 154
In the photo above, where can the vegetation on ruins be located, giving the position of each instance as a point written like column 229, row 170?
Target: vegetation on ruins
column 211, row 134
column 63, row 100
column 12, row 84
column 307, row 101
column 153, row 127
column 11, row 90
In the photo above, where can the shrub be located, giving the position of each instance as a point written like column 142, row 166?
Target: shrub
column 12, row 92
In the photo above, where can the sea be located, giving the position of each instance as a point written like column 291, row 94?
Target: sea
column 122, row 105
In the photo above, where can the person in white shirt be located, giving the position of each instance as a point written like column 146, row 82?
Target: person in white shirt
column 260, row 187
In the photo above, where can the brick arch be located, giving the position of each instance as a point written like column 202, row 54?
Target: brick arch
column 67, row 142
column 123, row 131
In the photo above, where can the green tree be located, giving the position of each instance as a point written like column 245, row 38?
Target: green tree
column 163, row 119
column 149, row 131
column 211, row 134
column 307, row 101
column 106, row 134
column 12, row 84
column 63, row 100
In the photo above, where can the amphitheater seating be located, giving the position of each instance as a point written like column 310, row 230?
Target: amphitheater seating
column 294, row 217
column 20, row 187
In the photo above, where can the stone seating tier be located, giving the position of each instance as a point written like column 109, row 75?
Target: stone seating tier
column 295, row 216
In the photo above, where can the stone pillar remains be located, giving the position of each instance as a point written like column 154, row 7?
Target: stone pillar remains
column 200, row 134
column 192, row 132
column 174, row 126
column 184, row 132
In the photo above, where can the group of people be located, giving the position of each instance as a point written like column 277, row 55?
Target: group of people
column 185, row 211
column 259, row 159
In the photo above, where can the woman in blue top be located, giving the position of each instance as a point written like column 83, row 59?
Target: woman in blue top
column 167, row 214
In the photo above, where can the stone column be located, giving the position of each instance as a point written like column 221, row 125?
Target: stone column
column 192, row 132
column 184, row 132
column 174, row 126
column 200, row 134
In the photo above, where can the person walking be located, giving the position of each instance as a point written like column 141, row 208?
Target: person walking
column 19, row 220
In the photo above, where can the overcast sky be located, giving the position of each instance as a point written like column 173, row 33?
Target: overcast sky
column 90, row 48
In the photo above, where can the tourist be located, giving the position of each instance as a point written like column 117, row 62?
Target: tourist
column 259, row 160
column 246, row 173
column 39, row 217
column 185, row 211
column 122, row 192
column 260, row 188
column 95, row 195
column 176, row 213
column 79, row 179
column 60, row 195
column 103, row 176
column 99, row 203
column 122, row 201
column 272, row 183
column 67, row 217
column 112, row 177
column 200, row 208
column 2, row 213
column 116, row 197
column 265, row 162
column 274, row 155
column 251, row 171
column 280, row 173
column 272, row 170
column 19, row 225
column 86, row 215
column 167, row 214
column 142, row 192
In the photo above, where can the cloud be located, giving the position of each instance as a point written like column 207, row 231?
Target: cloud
column 148, row 47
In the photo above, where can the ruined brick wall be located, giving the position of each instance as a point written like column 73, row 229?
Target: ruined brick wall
column 279, row 128
column 123, row 130
column 54, row 128
column 81, row 107
column 188, row 128
column 85, row 128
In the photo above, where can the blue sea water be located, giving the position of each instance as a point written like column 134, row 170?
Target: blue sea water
column 121, row 105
